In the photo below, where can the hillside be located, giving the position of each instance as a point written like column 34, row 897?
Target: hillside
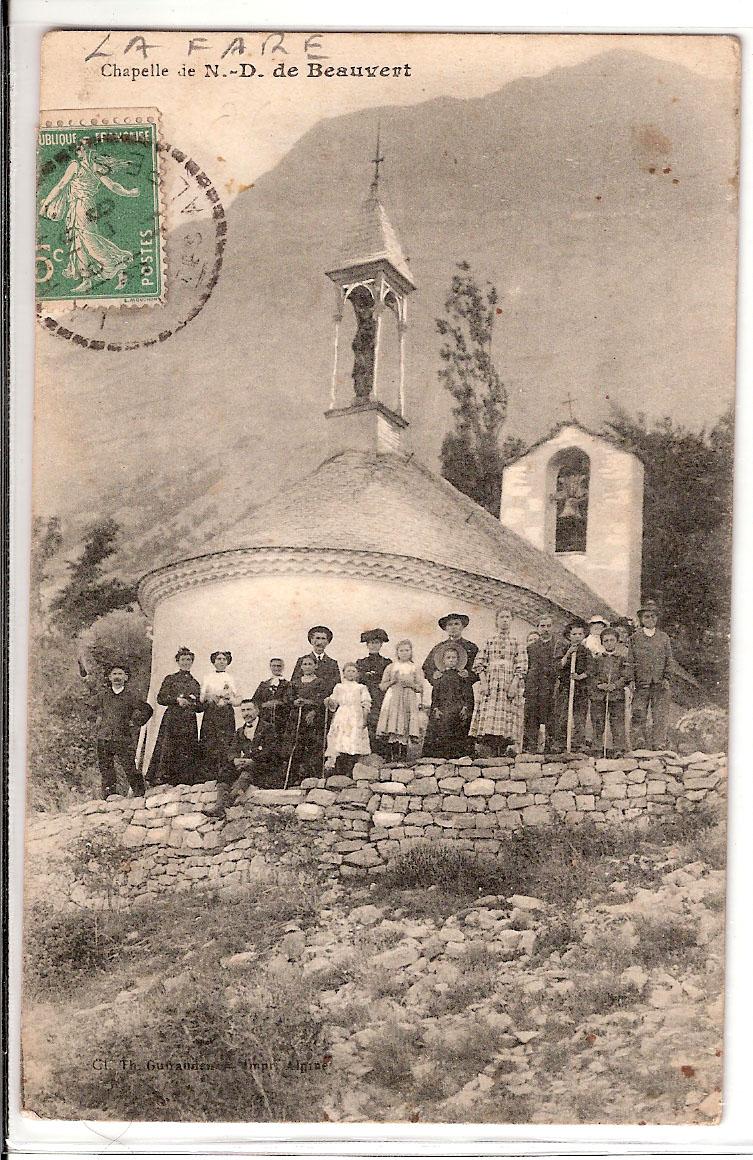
column 576, row 978
column 601, row 201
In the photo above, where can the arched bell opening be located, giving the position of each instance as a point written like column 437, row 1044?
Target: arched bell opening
column 568, row 479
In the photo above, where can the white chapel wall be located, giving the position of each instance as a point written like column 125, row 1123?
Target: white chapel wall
column 258, row 617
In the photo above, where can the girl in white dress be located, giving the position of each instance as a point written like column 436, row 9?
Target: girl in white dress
column 400, row 716
column 348, row 736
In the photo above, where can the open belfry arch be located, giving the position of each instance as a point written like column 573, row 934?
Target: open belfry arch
column 372, row 284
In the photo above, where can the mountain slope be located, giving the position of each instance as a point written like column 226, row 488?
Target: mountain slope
column 599, row 199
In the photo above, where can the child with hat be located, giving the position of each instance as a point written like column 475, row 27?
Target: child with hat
column 451, row 705
column 606, row 690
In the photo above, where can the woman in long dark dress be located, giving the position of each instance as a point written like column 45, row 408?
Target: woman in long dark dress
column 176, row 759
column 370, row 673
column 451, row 706
column 218, row 696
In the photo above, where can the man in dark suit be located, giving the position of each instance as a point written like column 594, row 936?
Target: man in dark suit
column 325, row 667
column 540, row 681
column 120, row 715
column 254, row 757
column 650, row 668
column 453, row 624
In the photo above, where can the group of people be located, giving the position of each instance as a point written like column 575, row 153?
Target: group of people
column 491, row 701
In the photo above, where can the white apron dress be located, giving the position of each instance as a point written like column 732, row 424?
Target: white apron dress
column 348, row 732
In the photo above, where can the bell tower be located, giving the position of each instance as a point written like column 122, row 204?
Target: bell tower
column 372, row 283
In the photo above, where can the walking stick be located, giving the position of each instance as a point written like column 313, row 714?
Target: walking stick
column 570, row 703
column 292, row 751
column 606, row 722
column 324, row 740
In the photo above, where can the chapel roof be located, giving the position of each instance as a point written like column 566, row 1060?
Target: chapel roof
column 393, row 504
column 371, row 238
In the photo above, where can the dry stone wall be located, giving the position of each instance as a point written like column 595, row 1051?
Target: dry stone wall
column 356, row 824
column 383, row 810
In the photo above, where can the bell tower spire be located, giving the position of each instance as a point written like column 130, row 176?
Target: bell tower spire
column 372, row 283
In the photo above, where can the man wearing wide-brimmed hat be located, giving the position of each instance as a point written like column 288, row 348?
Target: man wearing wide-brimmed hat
column 452, row 624
column 120, row 715
column 325, row 667
column 650, row 666
column 370, row 672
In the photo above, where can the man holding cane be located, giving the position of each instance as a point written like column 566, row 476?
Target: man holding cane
column 571, row 696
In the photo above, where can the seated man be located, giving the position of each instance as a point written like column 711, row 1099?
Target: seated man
column 254, row 756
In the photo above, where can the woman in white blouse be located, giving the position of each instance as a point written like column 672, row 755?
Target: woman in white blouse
column 218, row 696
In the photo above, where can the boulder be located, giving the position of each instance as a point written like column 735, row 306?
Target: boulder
column 309, row 811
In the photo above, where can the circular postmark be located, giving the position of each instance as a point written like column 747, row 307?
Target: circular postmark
column 196, row 232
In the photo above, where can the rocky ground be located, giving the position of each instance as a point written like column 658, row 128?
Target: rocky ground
column 409, row 1002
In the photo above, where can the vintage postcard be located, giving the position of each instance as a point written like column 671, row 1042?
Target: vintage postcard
column 383, row 454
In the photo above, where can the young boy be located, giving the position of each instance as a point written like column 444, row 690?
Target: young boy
column 451, row 708
column 120, row 715
column 606, row 689
column 573, row 666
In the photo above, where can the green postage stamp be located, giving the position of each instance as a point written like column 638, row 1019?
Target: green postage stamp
column 99, row 219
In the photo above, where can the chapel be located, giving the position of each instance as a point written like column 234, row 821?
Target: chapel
column 373, row 537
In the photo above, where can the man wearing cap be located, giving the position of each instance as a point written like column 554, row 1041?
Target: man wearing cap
column 650, row 667
column 452, row 624
column 325, row 667
column 120, row 715
column 370, row 672
column 596, row 626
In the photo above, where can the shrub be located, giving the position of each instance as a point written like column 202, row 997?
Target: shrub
column 121, row 637
column 62, row 947
column 62, row 752
column 664, row 941
column 197, row 1056
column 98, row 863
column 598, row 997
column 440, row 864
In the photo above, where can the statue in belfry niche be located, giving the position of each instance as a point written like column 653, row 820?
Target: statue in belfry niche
column 364, row 345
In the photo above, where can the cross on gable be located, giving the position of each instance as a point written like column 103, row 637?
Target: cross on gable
column 569, row 402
